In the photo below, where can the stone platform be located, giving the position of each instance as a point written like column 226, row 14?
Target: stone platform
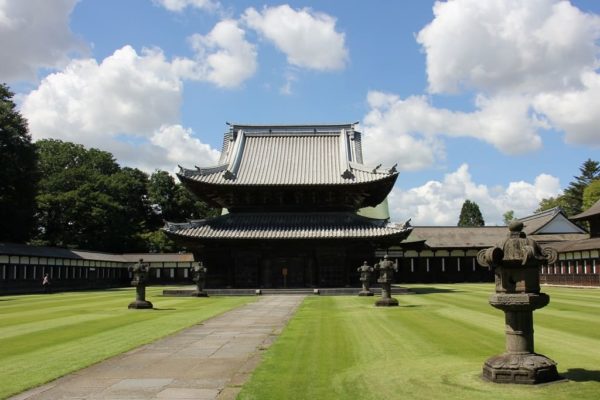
column 187, row 291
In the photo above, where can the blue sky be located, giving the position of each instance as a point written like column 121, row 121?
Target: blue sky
column 494, row 101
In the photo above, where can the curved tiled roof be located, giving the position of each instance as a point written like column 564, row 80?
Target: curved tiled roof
column 290, row 155
column 316, row 225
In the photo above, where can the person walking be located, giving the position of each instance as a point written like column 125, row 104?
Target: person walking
column 46, row 283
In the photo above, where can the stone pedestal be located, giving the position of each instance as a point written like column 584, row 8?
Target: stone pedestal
column 365, row 293
column 140, row 272
column 386, row 299
column 519, row 364
column 140, row 298
column 198, row 293
column 198, row 273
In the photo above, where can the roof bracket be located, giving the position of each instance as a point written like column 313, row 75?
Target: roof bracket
column 229, row 175
column 348, row 174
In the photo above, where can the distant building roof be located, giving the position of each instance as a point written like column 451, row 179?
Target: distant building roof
column 276, row 225
column 593, row 211
column 551, row 221
column 458, row 237
column 268, row 155
column 578, row 245
column 18, row 249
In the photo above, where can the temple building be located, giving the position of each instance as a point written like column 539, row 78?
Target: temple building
column 578, row 261
column 300, row 209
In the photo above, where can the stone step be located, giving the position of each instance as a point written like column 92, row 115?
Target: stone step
column 290, row 291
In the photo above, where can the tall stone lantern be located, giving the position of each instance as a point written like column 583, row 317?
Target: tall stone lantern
column 140, row 278
column 386, row 270
column 516, row 263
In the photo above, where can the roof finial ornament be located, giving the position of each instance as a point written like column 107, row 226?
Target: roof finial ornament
column 393, row 169
column 376, row 168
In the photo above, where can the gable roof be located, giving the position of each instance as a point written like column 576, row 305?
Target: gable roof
column 552, row 221
column 290, row 155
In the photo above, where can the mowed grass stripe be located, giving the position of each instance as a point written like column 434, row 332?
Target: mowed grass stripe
column 47, row 353
column 432, row 346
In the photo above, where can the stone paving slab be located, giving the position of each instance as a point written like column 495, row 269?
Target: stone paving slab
column 211, row 360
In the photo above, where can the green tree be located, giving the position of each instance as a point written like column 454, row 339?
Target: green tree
column 589, row 171
column 173, row 202
column 591, row 194
column 470, row 215
column 508, row 216
column 552, row 202
column 18, row 173
column 87, row 201
column 571, row 201
column 170, row 201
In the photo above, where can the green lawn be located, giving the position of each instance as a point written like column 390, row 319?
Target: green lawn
column 432, row 346
column 43, row 337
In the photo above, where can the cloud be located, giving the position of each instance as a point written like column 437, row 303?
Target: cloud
column 223, row 56
column 35, row 34
column 182, row 147
column 308, row 39
column 575, row 111
column 529, row 65
column 180, row 5
column 440, row 202
column 128, row 104
column 410, row 129
column 508, row 45
column 126, row 93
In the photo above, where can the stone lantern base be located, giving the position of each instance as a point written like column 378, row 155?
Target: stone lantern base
column 527, row 369
column 365, row 293
column 140, row 304
column 196, row 293
column 386, row 302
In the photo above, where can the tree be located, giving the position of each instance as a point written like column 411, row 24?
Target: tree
column 87, row 201
column 508, row 216
column 470, row 215
column 18, row 173
column 171, row 201
column 571, row 201
column 589, row 171
column 552, row 202
column 591, row 194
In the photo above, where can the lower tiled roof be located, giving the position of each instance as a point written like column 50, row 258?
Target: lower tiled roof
column 317, row 225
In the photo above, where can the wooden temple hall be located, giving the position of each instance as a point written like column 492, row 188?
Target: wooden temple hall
column 300, row 209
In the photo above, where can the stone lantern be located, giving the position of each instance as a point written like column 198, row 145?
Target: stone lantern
column 365, row 278
column 198, row 273
column 516, row 264
column 140, row 278
column 386, row 270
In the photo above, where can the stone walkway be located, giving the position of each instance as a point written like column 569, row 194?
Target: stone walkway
column 207, row 361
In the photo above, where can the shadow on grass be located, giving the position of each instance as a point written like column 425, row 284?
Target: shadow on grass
column 164, row 309
column 429, row 290
column 582, row 375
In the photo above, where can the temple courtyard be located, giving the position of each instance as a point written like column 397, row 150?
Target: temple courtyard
column 286, row 347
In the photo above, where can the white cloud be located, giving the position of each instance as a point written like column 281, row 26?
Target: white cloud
column 530, row 64
column 35, row 34
column 180, row 5
column 126, row 93
column 183, row 148
column 128, row 104
column 410, row 129
column 440, row 202
column 500, row 45
column 576, row 112
column 223, row 56
column 308, row 39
